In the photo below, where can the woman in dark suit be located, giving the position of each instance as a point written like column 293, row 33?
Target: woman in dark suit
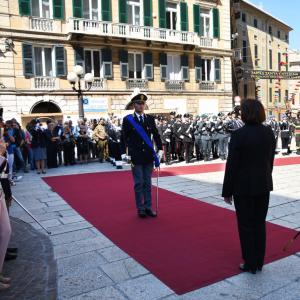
column 248, row 181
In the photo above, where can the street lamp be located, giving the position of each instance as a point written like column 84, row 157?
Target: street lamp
column 75, row 77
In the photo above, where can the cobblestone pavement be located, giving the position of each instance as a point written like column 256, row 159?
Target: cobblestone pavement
column 89, row 266
column 34, row 271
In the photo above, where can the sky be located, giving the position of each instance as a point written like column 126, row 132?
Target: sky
column 289, row 12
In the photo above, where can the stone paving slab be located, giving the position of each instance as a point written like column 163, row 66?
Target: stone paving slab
column 90, row 266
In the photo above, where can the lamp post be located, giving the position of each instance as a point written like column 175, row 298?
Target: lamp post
column 76, row 77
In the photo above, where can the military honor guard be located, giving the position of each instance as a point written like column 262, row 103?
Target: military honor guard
column 138, row 129
column 286, row 135
column 187, row 137
column 165, row 132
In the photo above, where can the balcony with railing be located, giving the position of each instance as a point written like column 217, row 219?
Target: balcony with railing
column 98, row 84
column 45, row 83
column 132, row 83
column 41, row 24
column 207, row 86
column 128, row 31
column 175, row 85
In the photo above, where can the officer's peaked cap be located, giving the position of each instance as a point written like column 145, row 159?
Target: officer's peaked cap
column 137, row 96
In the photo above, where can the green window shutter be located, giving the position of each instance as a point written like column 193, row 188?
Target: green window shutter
column 77, row 8
column 217, row 69
column 184, row 16
column 216, row 23
column 148, row 58
column 27, row 59
column 123, row 11
column 106, row 10
column 60, row 61
column 106, row 54
column 79, row 56
column 148, row 13
column 184, row 66
column 59, row 9
column 198, row 62
column 287, row 62
column 25, row 7
column 148, row 65
column 184, row 60
column 123, row 54
column 162, row 13
column 163, row 59
column 197, row 25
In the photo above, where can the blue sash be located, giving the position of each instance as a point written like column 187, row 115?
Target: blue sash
column 141, row 131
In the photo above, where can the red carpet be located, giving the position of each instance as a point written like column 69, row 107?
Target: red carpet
column 191, row 244
column 216, row 167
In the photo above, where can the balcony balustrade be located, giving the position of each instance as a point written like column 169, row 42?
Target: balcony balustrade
column 174, row 85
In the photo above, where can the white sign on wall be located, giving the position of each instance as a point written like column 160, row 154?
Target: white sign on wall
column 177, row 105
column 209, row 106
column 95, row 104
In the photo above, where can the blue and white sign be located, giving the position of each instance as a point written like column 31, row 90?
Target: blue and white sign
column 95, row 104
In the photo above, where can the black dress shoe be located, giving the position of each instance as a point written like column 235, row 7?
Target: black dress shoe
column 142, row 213
column 10, row 256
column 245, row 268
column 150, row 213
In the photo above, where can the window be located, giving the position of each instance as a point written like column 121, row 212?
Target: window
column 244, row 51
column 135, row 65
column 206, row 70
column 92, row 62
column 256, row 55
column 270, row 30
column 270, row 59
column 43, row 61
column 279, row 61
column 205, row 23
column 278, row 34
column 245, row 91
column 134, row 12
column 41, row 9
column 90, row 9
column 287, row 38
column 255, row 23
column 171, row 14
column 279, row 95
column 173, row 67
column 270, row 95
column 244, row 17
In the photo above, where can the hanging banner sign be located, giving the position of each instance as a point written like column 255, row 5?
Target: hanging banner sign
column 264, row 74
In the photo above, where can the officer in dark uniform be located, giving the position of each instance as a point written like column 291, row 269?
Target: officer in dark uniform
column 197, row 135
column 171, row 122
column 286, row 135
column 274, row 125
column 223, row 136
column 187, row 133
column 206, row 138
column 214, row 137
column 177, row 130
column 165, row 132
column 140, row 153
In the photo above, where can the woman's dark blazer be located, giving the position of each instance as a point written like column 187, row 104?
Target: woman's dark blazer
column 250, row 162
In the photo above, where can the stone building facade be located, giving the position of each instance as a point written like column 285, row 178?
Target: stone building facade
column 178, row 52
column 260, row 42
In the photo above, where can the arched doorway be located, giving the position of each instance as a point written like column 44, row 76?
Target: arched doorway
column 45, row 108
column 45, row 111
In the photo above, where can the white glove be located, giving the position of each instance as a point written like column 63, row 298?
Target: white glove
column 160, row 154
column 124, row 157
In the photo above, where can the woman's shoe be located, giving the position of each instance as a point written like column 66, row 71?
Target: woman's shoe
column 5, row 280
column 245, row 268
column 4, row 286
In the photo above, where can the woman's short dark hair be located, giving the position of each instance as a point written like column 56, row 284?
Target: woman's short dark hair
column 252, row 112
